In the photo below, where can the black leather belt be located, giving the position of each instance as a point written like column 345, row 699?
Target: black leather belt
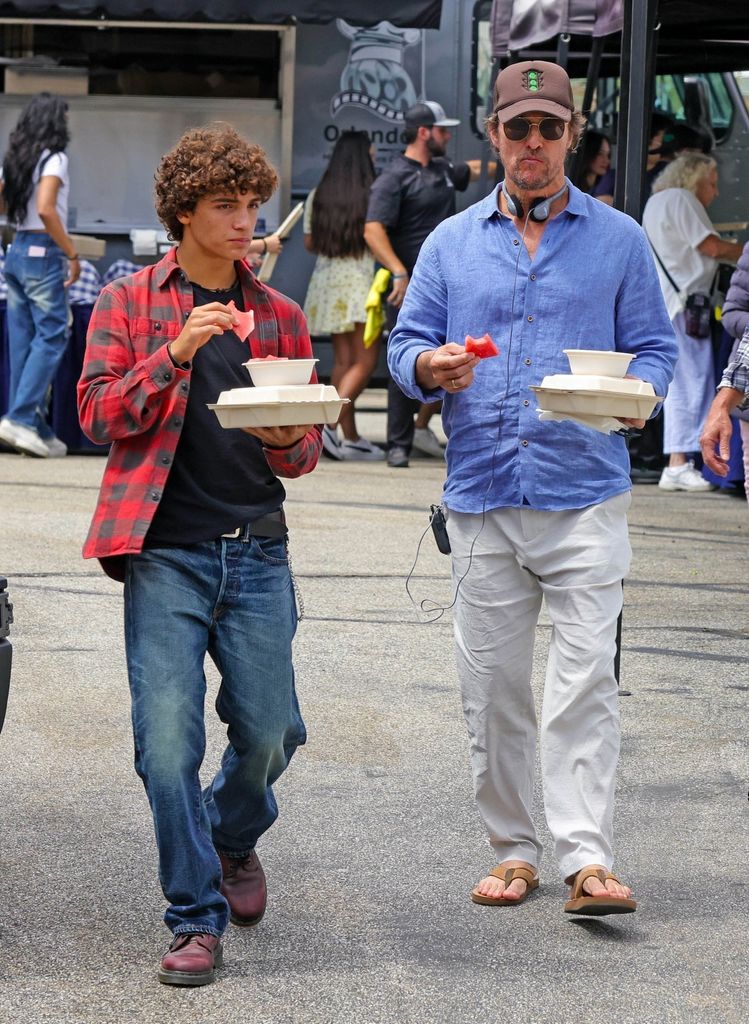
column 273, row 524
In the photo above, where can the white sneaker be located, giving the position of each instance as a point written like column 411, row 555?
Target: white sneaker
column 425, row 441
column 6, row 433
column 24, row 439
column 361, row 450
column 683, row 478
column 330, row 443
column 57, row 449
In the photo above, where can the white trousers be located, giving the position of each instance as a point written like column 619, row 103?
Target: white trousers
column 690, row 393
column 575, row 559
column 744, row 428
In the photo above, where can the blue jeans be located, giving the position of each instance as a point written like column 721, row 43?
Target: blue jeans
column 37, row 325
column 234, row 600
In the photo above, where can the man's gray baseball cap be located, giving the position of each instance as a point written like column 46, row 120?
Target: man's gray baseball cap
column 428, row 115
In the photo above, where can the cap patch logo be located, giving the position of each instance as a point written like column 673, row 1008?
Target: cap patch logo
column 533, row 81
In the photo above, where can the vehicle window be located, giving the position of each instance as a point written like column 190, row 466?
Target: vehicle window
column 155, row 61
column 669, row 97
column 669, row 89
column 720, row 104
column 481, row 65
column 742, row 79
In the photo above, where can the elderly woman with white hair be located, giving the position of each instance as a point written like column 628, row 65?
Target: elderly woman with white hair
column 687, row 250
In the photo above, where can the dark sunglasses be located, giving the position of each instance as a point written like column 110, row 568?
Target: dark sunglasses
column 518, row 128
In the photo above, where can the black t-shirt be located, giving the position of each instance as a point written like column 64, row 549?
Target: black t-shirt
column 410, row 200
column 220, row 478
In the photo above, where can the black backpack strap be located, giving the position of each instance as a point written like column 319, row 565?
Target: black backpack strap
column 662, row 266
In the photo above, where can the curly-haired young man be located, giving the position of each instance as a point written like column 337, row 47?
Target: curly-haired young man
column 190, row 518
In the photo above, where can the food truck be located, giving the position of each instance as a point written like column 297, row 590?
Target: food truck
column 293, row 76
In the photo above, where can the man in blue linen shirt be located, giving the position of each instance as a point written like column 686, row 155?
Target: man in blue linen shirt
column 535, row 509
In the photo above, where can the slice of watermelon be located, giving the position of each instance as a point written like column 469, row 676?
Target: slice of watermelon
column 277, row 359
column 484, row 347
column 244, row 323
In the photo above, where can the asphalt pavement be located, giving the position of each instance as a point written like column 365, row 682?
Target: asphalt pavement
column 377, row 845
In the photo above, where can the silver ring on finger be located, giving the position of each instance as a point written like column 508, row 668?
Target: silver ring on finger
column 453, row 383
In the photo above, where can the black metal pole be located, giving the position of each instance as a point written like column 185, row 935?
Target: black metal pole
column 636, row 83
column 633, row 130
column 594, row 69
column 563, row 49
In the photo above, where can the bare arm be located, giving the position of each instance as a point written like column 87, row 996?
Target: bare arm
column 377, row 239
column 46, row 205
column 475, row 168
column 716, row 434
column 716, row 249
column 271, row 243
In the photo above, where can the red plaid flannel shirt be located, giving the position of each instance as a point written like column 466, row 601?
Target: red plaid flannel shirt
column 131, row 394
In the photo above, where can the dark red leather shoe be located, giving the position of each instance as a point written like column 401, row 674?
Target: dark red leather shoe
column 191, row 959
column 243, row 887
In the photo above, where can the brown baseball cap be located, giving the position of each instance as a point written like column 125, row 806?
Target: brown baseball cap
column 533, row 85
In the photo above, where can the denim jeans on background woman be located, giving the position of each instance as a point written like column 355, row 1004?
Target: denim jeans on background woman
column 233, row 599
column 37, row 324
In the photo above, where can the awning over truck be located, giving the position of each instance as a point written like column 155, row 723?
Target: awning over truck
column 694, row 35
column 405, row 13
column 520, row 24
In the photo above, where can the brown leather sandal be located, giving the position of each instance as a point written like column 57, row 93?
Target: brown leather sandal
column 507, row 875
column 596, row 906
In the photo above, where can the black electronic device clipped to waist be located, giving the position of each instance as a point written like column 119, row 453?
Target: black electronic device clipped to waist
column 439, row 528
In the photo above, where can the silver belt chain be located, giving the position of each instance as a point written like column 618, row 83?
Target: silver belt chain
column 295, row 585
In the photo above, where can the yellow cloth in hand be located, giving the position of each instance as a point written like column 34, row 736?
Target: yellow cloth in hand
column 375, row 307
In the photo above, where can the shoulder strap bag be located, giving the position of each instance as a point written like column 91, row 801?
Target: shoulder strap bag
column 697, row 305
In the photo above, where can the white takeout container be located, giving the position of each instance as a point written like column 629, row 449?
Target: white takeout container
column 596, row 395
column 282, row 406
column 592, row 360
column 282, row 393
column 274, row 372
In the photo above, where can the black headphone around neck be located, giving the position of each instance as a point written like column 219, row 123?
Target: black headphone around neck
column 540, row 206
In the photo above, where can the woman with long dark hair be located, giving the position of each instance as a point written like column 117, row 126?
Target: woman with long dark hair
column 335, row 213
column 594, row 161
column 35, row 186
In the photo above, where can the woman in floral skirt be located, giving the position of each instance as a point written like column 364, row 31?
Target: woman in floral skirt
column 334, row 218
